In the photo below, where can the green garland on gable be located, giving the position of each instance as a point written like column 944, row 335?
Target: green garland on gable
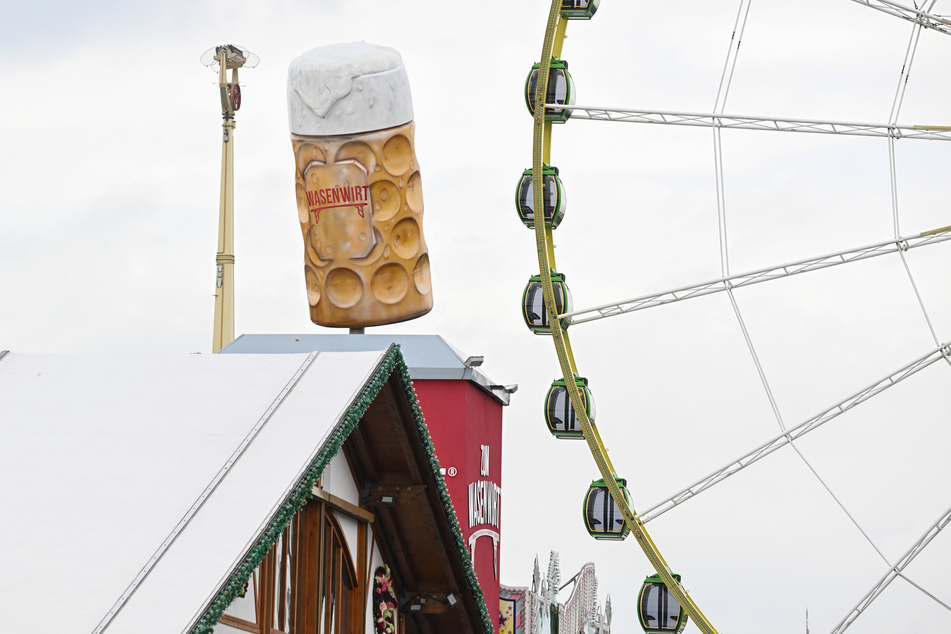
column 467, row 565
column 392, row 361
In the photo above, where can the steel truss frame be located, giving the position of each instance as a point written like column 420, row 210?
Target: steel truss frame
column 915, row 15
column 755, row 277
column 941, row 352
column 749, row 122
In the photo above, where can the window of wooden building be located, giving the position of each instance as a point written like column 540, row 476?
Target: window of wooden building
column 309, row 582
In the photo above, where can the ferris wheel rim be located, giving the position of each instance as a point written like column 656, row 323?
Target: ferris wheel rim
column 540, row 153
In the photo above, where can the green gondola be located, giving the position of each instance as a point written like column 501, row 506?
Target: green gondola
column 560, row 91
column 560, row 413
column 657, row 608
column 554, row 197
column 533, row 303
column 579, row 9
column 602, row 517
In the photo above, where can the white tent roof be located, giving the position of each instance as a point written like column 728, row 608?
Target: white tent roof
column 106, row 458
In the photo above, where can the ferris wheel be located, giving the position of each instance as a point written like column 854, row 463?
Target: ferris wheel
column 664, row 604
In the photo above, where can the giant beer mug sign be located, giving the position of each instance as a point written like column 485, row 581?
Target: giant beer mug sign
column 359, row 197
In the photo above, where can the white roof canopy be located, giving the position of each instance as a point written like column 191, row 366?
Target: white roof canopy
column 116, row 465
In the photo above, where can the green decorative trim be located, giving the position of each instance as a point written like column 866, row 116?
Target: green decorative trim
column 392, row 361
column 467, row 566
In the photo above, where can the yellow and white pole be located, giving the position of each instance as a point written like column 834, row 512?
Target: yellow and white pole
column 224, row 260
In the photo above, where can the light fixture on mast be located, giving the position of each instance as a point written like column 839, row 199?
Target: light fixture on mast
column 221, row 59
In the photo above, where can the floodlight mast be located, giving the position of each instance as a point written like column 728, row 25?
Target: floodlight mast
column 226, row 57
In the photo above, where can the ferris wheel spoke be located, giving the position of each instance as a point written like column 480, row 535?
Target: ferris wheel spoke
column 726, row 121
column 755, row 277
column 894, row 572
column 794, row 433
column 911, row 14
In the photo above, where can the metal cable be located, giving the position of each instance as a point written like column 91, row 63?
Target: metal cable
column 893, row 172
column 723, row 90
column 725, row 83
column 921, row 303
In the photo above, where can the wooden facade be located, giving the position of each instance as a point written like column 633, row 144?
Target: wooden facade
column 378, row 503
column 463, row 408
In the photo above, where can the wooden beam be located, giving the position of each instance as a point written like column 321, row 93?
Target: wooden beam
column 321, row 557
column 434, row 605
column 401, row 492
column 359, row 613
column 266, row 595
column 282, row 581
column 358, row 456
column 306, row 592
column 354, row 511
column 403, row 414
column 238, row 624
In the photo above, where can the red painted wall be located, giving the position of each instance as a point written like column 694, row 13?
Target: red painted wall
column 462, row 419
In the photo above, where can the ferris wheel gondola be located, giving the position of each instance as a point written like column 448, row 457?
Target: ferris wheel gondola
column 603, row 518
column 560, row 412
column 534, row 310
column 658, row 611
column 579, row 9
column 560, row 90
column 607, row 506
column 556, row 199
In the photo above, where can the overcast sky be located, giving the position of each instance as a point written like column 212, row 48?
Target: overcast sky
column 109, row 181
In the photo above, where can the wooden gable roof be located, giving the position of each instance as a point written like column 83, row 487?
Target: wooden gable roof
column 390, row 454
column 416, row 524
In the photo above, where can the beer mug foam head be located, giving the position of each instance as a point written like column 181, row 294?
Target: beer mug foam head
column 359, row 192
column 347, row 89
